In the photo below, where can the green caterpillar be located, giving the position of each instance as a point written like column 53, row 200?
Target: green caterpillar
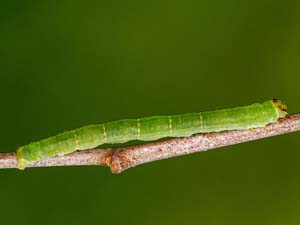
column 153, row 128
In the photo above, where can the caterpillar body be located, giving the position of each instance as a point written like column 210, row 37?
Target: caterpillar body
column 152, row 128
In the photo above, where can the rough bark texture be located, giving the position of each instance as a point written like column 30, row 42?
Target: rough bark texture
column 121, row 159
column 78, row 158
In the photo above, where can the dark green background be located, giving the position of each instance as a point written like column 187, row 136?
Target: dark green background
column 64, row 64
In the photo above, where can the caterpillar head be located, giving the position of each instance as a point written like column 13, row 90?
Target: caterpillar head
column 280, row 107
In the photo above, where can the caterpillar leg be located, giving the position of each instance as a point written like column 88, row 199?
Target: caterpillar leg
column 20, row 158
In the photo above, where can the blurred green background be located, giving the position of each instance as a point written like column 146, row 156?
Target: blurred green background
column 65, row 64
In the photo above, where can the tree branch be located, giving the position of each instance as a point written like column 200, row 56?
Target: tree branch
column 120, row 159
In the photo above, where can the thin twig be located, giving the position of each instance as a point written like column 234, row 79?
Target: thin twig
column 120, row 159
column 78, row 158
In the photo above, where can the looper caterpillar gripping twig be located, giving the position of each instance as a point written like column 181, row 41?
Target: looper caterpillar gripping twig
column 153, row 128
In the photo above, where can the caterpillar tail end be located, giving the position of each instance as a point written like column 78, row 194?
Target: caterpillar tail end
column 20, row 159
column 280, row 107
